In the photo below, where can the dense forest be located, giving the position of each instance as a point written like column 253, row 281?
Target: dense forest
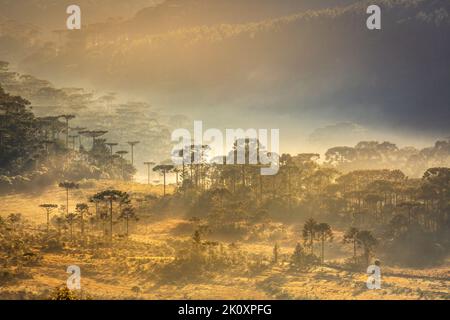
column 118, row 121
column 34, row 153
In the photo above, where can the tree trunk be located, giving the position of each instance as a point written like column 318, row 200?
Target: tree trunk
column 132, row 155
column 260, row 188
column 183, row 174
column 82, row 225
column 164, row 174
column 48, row 221
column 67, row 133
column 289, row 188
column 111, row 221
column 323, row 250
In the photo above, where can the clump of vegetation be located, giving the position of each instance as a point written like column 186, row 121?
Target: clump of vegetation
column 273, row 286
column 16, row 248
column 64, row 293
column 301, row 260
column 199, row 259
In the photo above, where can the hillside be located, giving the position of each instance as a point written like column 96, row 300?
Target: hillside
column 133, row 269
column 315, row 65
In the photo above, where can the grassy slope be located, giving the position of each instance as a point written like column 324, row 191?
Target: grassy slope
column 106, row 273
column 28, row 203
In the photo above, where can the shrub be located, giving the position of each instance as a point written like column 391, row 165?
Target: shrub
column 301, row 260
column 63, row 293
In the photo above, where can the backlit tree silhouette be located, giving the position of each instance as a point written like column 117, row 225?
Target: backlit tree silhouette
column 132, row 144
column 149, row 164
column 49, row 207
column 67, row 185
column 111, row 145
column 67, row 118
column 110, row 197
column 164, row 169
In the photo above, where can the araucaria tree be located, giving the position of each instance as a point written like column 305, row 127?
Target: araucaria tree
column 67, row 185
column 67, row 118
column 111, row 146
column 164, row 169
column 351, row 236
column 128, row 213
column 132, row 144
column 310, row 233
column 71, row 218
column 49, row 207
column 110, row 197
column 368, row 242
column 149, row 164
column 324, row 233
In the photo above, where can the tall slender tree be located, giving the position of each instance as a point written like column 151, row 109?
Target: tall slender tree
column 310, row 233
column 67, row 185
column 366, row 239
column 149, row 164
column 71, row 218
column 49, row 207
column 111, row 145
column 111, row 197
column 132, row 145
column 67, row 118
column 128, row 213
column 78, row 130
column 351, row 237
column 73, row 138
column 324, row 233
column 164, row 169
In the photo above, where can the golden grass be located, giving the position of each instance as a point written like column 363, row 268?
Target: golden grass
column 111, row 276
column 28, row 203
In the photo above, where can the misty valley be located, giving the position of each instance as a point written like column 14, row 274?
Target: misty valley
column 111, row 188
column 216, row 230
